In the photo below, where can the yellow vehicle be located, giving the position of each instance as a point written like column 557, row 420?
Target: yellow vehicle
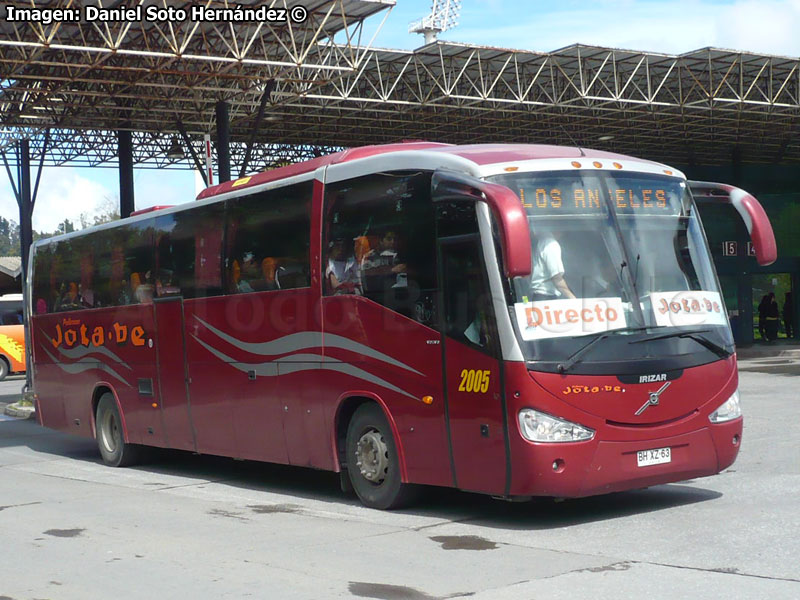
column 12, row 335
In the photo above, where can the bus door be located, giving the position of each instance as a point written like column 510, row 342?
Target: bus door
column 472, row 369
column 173, row 395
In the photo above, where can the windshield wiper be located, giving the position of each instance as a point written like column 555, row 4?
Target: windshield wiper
column 720, row 351
column 575, row 357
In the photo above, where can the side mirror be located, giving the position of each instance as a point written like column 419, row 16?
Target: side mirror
column 506, row 207
column 751, row 211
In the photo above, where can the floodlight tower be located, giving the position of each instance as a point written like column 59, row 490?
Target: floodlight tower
column 444, row 15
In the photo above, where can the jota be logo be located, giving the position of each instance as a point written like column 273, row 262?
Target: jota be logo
column 682, row 308
column 76, row 333
column 569, row 317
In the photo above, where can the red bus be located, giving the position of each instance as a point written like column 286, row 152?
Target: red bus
column 515, row 320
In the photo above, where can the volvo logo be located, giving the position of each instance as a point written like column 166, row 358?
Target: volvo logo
column 653, row 399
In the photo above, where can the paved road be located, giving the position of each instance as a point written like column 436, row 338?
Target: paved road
column 11, row 388
column 198, row 527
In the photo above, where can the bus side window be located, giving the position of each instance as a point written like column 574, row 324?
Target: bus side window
column 137, row 240
column 10, row 317
column 468, row 311
column 268, row 237
column 379, row 241
column 189, row 252
column 42, row 271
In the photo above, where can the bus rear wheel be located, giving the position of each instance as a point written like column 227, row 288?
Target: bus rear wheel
column 4, row 368
column 372, row 461
column 108, row 433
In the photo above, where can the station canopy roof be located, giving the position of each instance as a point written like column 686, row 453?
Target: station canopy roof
column 330, row 87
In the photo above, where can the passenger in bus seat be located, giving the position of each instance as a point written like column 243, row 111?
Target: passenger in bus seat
column 70, row 299
column 382, row 268
column 342, row 272
column 248, row 273
column 86, row 295
column 124, row 296
column 271, row 271
column 144, row 292
column 480, row 331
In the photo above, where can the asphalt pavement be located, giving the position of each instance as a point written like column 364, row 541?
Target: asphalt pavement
column 185, row 526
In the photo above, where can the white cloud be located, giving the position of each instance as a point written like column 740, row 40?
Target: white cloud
column 8, row 204
column 770, row 27
column 68, row 192
column 166, row 187
column 64, row 193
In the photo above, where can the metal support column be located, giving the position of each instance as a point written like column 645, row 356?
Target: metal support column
column 125, row 150
column 25, row 204
column 262, row 106
column 26, row 239
column 223, row 141
column 196, row 159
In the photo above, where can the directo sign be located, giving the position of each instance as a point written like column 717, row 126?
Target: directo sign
column 569, row 317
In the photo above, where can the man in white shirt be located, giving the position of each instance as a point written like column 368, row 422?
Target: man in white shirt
column 547, row 275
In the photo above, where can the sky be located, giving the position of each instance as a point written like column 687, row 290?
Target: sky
column 668, row 26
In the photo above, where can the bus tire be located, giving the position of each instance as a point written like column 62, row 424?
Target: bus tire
column 5, row 369
column 110, row 439
column 372, row 461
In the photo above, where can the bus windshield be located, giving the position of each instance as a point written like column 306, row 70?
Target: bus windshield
column 614, row 253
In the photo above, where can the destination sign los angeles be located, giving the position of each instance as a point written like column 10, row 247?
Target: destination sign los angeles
column 584, row 199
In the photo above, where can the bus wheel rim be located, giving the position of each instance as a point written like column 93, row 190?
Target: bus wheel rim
column 110, row 433
column 372, row 457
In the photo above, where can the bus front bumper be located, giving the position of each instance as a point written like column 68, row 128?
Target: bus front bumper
column 575, row 470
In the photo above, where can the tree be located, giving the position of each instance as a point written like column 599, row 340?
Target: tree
column 107, row 211
column 9, row 238
column 66, row 226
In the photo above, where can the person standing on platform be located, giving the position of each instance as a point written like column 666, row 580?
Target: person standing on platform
column 773, row 318
column 788, row 315
column 762, row 316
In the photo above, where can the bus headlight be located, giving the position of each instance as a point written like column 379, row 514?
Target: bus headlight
column 540, row 427
column 729, row 410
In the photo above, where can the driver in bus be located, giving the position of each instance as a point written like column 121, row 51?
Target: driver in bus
column 547, row 274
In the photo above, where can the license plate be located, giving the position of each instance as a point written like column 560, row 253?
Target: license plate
column 656, row 456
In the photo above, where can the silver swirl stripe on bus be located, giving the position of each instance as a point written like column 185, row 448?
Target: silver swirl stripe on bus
column 302, row 341
column 84, row 364
column 301, row 362
column 82, row 351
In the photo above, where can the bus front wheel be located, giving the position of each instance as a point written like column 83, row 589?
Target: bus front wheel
column 108, row 432
column 372, row 461
column 4, row 368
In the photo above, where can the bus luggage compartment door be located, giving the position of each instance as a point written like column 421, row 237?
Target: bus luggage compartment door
column 170, row 339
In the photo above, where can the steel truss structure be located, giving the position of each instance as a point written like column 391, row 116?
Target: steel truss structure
column 692, row 108
column 85, row 80
column 331, row 90
column 97, row 148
